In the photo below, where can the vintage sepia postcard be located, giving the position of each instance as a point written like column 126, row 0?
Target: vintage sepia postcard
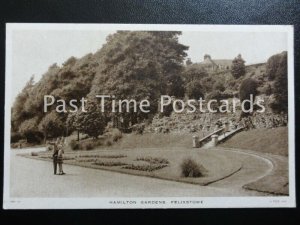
column 149, row 116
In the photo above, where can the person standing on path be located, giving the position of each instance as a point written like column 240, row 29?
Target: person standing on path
column 60, row 156
column 55, row 154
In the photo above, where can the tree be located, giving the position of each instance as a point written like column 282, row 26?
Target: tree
column 140, row 65
column 194, row 72
column 92, row 122
column 207, row 84
column 248, row 87
column 188, row 62
column 238, row 67
column 29, row 129
column 70, row 81
column 276, row 65
column 194, row 90
column 280, row 89
column 17, row 112
column 218, row 85
column 51, row 125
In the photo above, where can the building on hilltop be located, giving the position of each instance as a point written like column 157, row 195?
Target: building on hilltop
column 215, row 64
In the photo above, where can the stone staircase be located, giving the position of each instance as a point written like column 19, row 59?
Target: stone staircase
column 215, row 138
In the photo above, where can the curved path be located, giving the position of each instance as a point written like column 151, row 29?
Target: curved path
column 34, row 178
column 254, row 167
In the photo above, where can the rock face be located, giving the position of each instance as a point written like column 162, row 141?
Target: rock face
column 209, row 122
column 189, row 123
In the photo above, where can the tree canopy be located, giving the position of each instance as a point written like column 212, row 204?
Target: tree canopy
column 238, row 67
column 140, row 65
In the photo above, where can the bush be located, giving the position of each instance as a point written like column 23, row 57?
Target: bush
column 219, row 86
column 15, row 137
column 98, row 143
column 109, row 163
column 108, row 143
column 117, row 156
column 138, row 128
column 153, row 160
column 87, row 146
column 74, row 145
column 217, row 95
column 113, row 156
column 267, row 89
column 114, row 133
column 189, row 168
column 148, row 168
column 194, row 90
column 14, row 145
column 34, row 154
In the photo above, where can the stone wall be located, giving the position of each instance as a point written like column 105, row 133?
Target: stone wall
column 209, row 122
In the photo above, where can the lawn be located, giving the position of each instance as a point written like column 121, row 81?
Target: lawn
column 152, row 140
column 155, row 162
column 274, row 141
column 277, row 182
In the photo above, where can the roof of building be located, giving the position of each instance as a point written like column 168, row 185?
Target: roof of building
column 224, row 62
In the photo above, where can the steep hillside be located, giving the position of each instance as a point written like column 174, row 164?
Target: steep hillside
column 274, row 141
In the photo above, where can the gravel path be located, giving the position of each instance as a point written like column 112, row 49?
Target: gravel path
column 34, row 178
column 254, row 167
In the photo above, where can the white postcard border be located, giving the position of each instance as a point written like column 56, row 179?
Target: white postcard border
column 205, row 202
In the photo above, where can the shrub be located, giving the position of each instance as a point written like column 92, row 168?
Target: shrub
column 98, row 142
column 189, row 168
column 148, row 168
column 108, row 143
column 219, row 86
column 15, row 137
column 227, row 94
column 14, row 145
column 267, row 89
column 87, row 146
column 34, row 154
column 207, row 84
column 155, row 160
column 113, row 156
column 138, row 128
column 74, row 145
column 85, row 160
column 114, row 133
column 194, row 90
column 102, row 156
column 110, row 163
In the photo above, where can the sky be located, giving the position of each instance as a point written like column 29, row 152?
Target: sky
column 33, row 51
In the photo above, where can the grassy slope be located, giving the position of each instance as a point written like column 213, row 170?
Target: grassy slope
column 274, row 141
column 151, row 140
column 277, row 182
